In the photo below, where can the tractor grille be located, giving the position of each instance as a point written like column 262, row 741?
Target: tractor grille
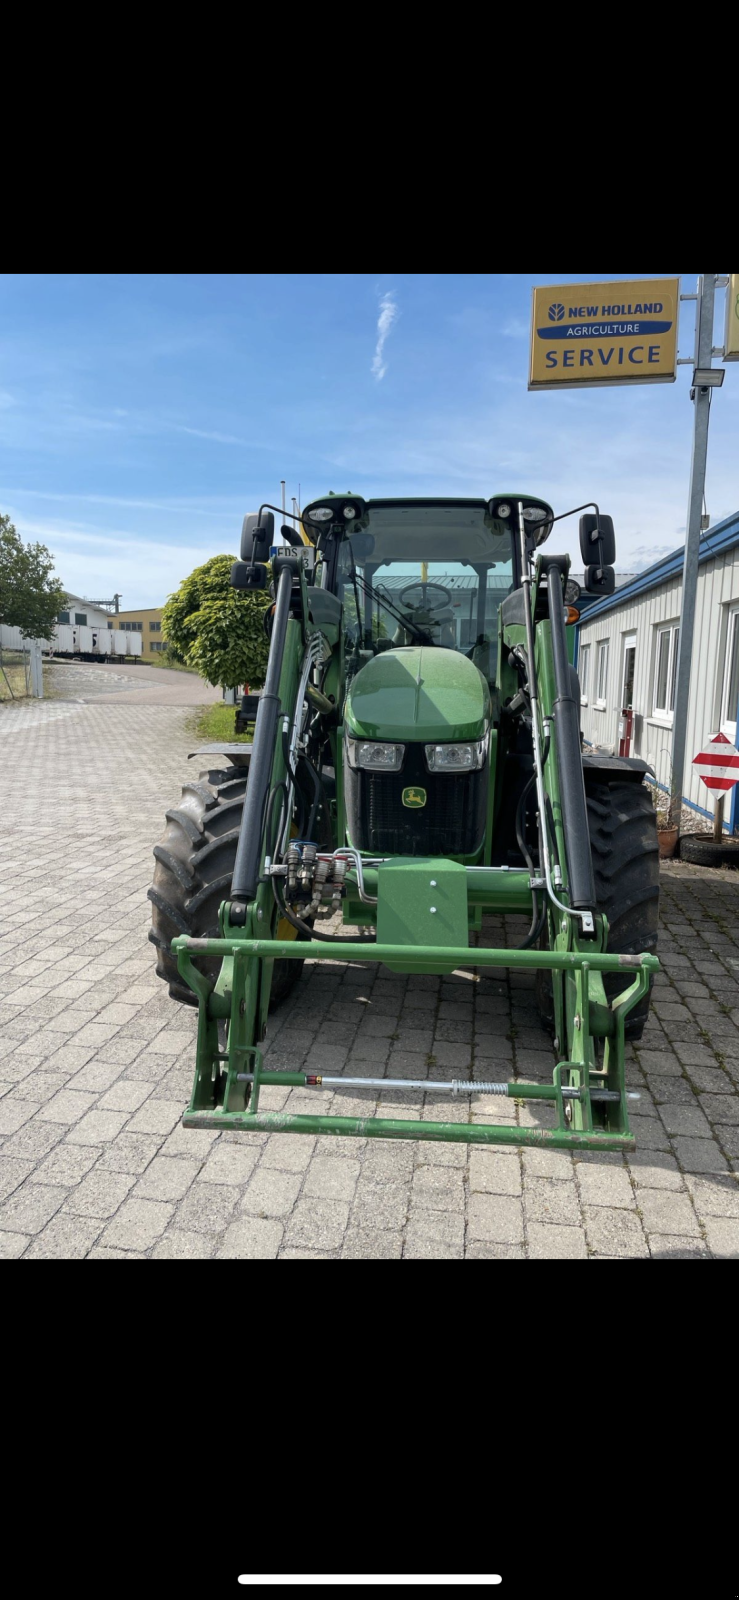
column 452, row 822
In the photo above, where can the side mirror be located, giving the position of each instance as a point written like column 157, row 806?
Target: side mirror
column 247, row 575
column 600, row 580
column 257, row 537
column 597, row 545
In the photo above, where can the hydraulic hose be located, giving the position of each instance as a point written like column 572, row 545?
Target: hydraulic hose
column 305, row 927
column 249, row 848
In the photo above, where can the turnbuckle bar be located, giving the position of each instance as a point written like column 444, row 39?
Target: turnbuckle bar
column 513, row 1091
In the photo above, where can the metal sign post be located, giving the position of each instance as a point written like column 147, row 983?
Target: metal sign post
column 701, row 396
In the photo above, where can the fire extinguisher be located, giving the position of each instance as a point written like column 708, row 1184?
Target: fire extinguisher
column 625, row 731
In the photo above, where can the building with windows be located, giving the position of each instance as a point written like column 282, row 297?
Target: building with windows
column 149, row 624
column 627, row 659
column 85, row 614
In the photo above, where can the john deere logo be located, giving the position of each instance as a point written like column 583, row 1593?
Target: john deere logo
column 556, row 313
column 414, row 798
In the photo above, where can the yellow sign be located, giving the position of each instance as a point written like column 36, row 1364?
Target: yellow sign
column 414, row 798
column 592, row 335
column 731, row 335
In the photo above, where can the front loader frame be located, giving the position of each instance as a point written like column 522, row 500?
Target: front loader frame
column 588, row 1088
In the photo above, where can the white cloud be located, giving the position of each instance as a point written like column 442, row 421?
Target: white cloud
column 388, row 314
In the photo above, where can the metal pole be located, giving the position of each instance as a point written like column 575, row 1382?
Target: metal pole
column 702, row 404
column 718, row 819
column 284, row 502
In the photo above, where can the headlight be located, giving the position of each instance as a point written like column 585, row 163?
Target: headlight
column 321, row 514
column 456, row 757
column 534, row 513
column 372, row 757
column 503, row 510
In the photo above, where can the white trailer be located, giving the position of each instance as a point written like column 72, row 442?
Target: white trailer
column 66, row 640
column 102, row 643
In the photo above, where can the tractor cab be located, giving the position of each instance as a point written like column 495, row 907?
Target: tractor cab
column 424, row 572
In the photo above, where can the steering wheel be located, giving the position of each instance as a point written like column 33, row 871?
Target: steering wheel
column 423, row 604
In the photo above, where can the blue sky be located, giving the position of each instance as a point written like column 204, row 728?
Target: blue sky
column 142, row 416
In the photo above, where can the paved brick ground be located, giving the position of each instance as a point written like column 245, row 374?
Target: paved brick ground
column 97, row 1062
column 127, row 684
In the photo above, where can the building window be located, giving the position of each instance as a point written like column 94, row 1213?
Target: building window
column 730, row 694
column 584, row 672
column 81, row 618
column 155, row 627
column 63, row 616
column 665, row 672
column 156, row 644
column 602, row 674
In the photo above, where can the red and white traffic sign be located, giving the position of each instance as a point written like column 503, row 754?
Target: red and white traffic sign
column 718, row 763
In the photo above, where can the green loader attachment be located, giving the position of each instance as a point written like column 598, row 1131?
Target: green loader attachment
column 416, row 765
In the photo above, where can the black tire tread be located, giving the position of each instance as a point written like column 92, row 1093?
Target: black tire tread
column 705, row 852
column 194, row 864
column 625, row 855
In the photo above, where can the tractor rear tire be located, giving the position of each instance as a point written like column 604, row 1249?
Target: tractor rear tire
column 194, row 868
column 625, row 853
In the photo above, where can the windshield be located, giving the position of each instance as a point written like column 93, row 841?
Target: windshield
column 428, row 573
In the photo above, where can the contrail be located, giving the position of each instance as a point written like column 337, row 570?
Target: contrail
column 388, row 313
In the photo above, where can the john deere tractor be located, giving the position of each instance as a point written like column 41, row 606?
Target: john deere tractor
column 416, row 764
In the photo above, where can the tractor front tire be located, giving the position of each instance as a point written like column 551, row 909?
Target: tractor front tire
column 625, row 853
column 194, row 868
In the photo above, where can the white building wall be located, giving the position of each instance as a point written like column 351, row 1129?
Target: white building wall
column 718, row 589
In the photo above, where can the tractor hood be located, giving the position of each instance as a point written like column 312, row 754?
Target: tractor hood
column 418, row 693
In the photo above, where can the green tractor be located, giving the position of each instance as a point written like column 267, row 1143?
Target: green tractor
column 416, row 764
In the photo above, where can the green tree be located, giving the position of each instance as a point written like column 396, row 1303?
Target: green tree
column 30, row 599
column 216, row 629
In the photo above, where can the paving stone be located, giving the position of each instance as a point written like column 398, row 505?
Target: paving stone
column 654, row 1169
column 137, row 1225
column 99, row 1194
column 699, row 1155
column 371, row 1244
column 67, row 1106
column 614, row 1232
column 541, row 1164
column 230, row 1164
column 721, row 1107
column 722, row 1235
column 382, row 1205
column 97, row 1127
column 665, row 1212
column 252, row 1239
column 687, row 1120
column 438, row 1189
column 715, row 1197
column 156, row 1116
column 495, row 1217
column 547, row 1201
column 131, row 1152
column 431, row 1250
column 604, row 1185
column 12, row 1174
column 207, row 1207
column 177, row 1245
column 318, row 1224
column 478, row 1251
column 167, row 1178
column 30, row 1207
column 271, row 1193
column 561, row 1243
column 125, row 1095
column 445, row 1226
column 65, row 1238
column 671, row 1247
column 290, row 1152
column 12, row 1245
column 332, row 1178
column 494, row 1173
column 14, row 1113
